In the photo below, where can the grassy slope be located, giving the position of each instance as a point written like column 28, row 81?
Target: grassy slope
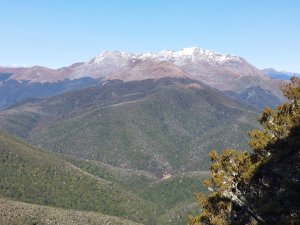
column 20, row 213
column 174, row 197
column 32, row 175
column 134, row 180
column 177, row 189
column 178, row 215
column 150, row 126
column 166, row 193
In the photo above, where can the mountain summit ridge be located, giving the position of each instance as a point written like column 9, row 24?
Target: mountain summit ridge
column 194, row 54
column 227, row 73
column 109, row 62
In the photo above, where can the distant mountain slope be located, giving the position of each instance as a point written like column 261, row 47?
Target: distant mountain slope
column 147, row 69
column 12, row 91
column 223, row 72
column 13, row 212
column 155, row 125
column 280, row 75
column 255, row 96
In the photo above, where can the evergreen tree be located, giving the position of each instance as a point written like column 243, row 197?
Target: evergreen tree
column 261, row 187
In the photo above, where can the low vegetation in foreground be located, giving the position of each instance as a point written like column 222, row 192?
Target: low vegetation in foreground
column 20, row 213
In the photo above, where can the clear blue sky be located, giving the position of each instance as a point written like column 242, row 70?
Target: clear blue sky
column 57, row 33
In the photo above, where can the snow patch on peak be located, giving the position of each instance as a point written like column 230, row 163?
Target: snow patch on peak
column 147, row 55
column 184, row 51
column 179, row 58
column 112, row 56
column 191, row 55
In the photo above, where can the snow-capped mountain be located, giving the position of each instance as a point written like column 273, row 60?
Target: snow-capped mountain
column 214, row 69
column 191, row 55
column 109, row 62
column 183, row 56
column 227, row 73
column 112, row 57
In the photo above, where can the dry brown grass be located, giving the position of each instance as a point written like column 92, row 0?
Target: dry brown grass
column 20, row 213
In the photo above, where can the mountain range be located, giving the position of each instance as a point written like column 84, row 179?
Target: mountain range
column 231, row 74
column 123, row 138
column 282, row 75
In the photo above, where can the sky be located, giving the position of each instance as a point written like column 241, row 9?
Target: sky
column 57, row 33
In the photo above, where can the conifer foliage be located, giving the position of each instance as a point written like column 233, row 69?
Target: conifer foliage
column 261, row 187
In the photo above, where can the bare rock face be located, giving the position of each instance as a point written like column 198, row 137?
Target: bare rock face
column 138, row 69
column 38, row 74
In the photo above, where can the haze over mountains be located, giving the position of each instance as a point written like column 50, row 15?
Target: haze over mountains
column 282, row 75
column 231, row 74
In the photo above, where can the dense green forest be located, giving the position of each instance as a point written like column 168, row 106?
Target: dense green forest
column 154, row 125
